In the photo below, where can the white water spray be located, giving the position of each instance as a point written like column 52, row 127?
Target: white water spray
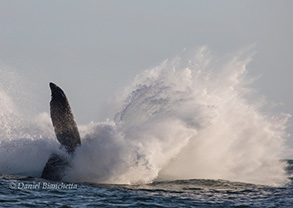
column 189, row 117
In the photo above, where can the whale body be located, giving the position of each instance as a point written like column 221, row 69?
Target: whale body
column 66, row 132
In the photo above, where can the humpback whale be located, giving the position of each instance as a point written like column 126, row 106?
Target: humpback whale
column 66, row 132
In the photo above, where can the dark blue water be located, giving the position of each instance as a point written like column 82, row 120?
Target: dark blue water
column 18, row 191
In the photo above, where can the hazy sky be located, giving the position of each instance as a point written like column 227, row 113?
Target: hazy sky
column 93, row 48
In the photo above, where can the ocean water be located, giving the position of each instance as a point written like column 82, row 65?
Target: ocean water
column 188, row 132
column 19, row 191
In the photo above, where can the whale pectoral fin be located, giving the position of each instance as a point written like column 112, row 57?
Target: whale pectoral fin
column 55, row 168
column 66, row 132
column 63, row 121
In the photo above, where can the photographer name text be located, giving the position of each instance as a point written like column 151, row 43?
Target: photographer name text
column 41, row 186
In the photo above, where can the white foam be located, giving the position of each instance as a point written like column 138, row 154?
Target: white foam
column 189, row 117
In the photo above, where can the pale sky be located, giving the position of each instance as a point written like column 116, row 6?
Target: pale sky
column 93, row 48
